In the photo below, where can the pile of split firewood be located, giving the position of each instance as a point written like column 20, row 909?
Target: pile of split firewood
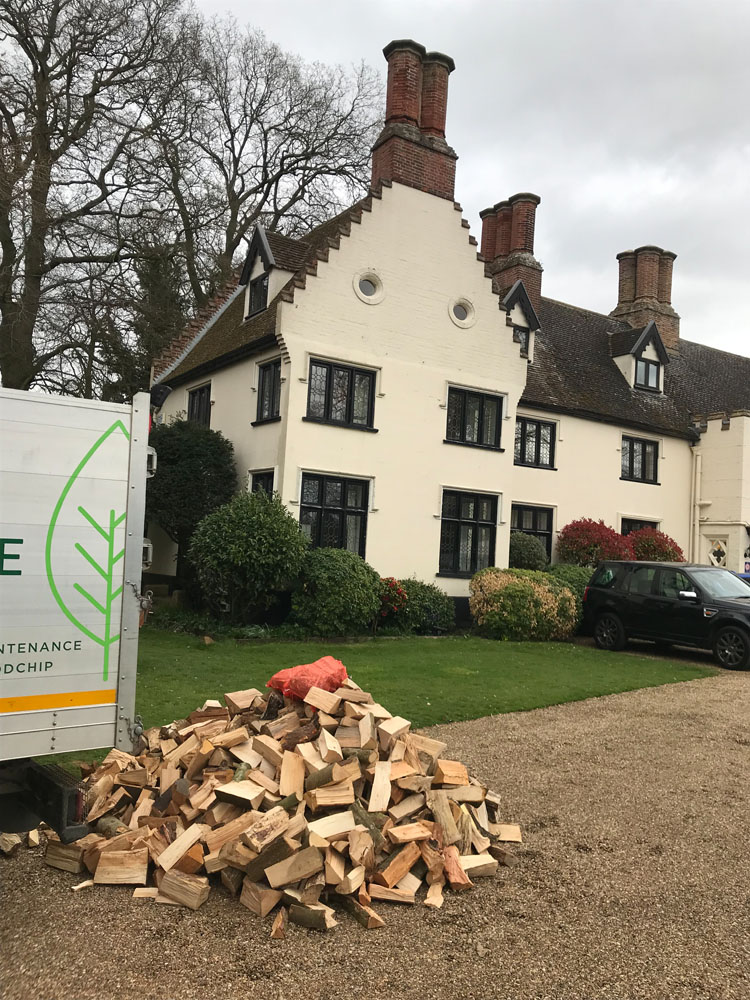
column 314, row 807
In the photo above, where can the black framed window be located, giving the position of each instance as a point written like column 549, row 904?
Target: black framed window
column 535, row 443
column 639, row 459
column 333, row 512
column 262, row 481
column 474, row 418
column 647, row 374
column 467, row 533
column 634, row 524
column 536, row 521
column 199, row 405
column 269, row 391
column 339, row 394
column 258, row 294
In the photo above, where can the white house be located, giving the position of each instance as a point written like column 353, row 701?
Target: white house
column 414, row 400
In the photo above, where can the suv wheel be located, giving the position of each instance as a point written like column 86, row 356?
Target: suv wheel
column 608, row 632
column 732, row 647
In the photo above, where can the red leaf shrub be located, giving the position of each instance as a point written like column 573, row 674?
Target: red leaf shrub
column 585, row 542
column 650, row 545
column 393, row 597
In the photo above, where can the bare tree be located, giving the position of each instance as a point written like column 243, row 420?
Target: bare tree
column 139, row 145
column 74, row 85
column 261, row 136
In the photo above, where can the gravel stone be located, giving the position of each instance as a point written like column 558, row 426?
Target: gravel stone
column 633, row 883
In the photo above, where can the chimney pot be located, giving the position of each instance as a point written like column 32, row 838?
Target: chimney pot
column 489, row 233
column 404, row 91
column 626, row 286
column 647, row 272
column 666, row 264
column 435, row 71
column 523, row 215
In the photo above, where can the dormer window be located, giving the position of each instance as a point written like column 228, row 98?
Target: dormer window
column 258, row 294
column 647, row 374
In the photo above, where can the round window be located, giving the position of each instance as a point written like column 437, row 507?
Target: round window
column 368, row 287
column 461, row 312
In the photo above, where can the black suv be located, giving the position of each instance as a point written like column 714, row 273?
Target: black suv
column 670, row 603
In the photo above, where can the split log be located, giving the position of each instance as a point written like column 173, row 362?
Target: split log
column 301, row 865
column 292, row 781
column 438, row 804
column 364, row 915
column 189, row 890
column 231, row 879
column 122, row 868
column 380, row 795
column 181, row 846
column 9, row 844
column 434, row 897
column 259, row 898
column 315, row 916
column 66, row 857
column 272, row 825
column 397, row 865
column 326, row 701
column 478, row 865
column 451, row 772
column 390, row 895
column 278, row 928
column 457, row 878
column 363, row 817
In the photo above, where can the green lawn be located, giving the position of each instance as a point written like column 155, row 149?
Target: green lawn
column 425, row 680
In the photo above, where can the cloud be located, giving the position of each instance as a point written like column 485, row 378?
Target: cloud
column 629, row 119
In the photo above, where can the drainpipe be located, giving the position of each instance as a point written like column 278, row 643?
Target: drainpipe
column 697, row 504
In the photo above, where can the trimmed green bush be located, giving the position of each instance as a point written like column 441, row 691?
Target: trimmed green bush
column 575, row 578
column 340, row 594
column 245, row 552
column 526, row 551
column 429, row 610
column 521, row 605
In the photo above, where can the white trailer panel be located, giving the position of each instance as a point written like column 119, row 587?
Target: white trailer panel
column 72, row 497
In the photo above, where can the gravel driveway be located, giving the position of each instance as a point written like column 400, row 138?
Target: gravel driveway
column 633, row 882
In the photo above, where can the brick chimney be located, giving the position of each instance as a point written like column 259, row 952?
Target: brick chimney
column 508, row 244
column 412, row 149
column 645, row 292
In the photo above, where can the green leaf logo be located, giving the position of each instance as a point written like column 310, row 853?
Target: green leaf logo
column 98, row 550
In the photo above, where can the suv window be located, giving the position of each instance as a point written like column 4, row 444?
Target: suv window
column 642, row 580
column 671, row 582
column 606, row 577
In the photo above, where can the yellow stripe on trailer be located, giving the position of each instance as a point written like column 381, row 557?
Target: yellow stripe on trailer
column 71, row 699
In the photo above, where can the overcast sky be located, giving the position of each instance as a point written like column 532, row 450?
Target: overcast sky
column 629, row 118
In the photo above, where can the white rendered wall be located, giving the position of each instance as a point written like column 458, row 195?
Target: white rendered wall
column 587, row 480
column 725, row 484
column 417, row 247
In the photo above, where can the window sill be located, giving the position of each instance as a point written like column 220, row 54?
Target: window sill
column 646, row 388
column 456, row 575
column 532, row 465
column 336, row 423
column 470, row 444
column 643, row 482
column 252, row 315
column 268, row 420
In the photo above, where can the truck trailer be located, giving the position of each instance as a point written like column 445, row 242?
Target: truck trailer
column 72, row 505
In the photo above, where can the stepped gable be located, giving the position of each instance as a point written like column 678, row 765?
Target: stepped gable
column 573, row 372
column 231, row 337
